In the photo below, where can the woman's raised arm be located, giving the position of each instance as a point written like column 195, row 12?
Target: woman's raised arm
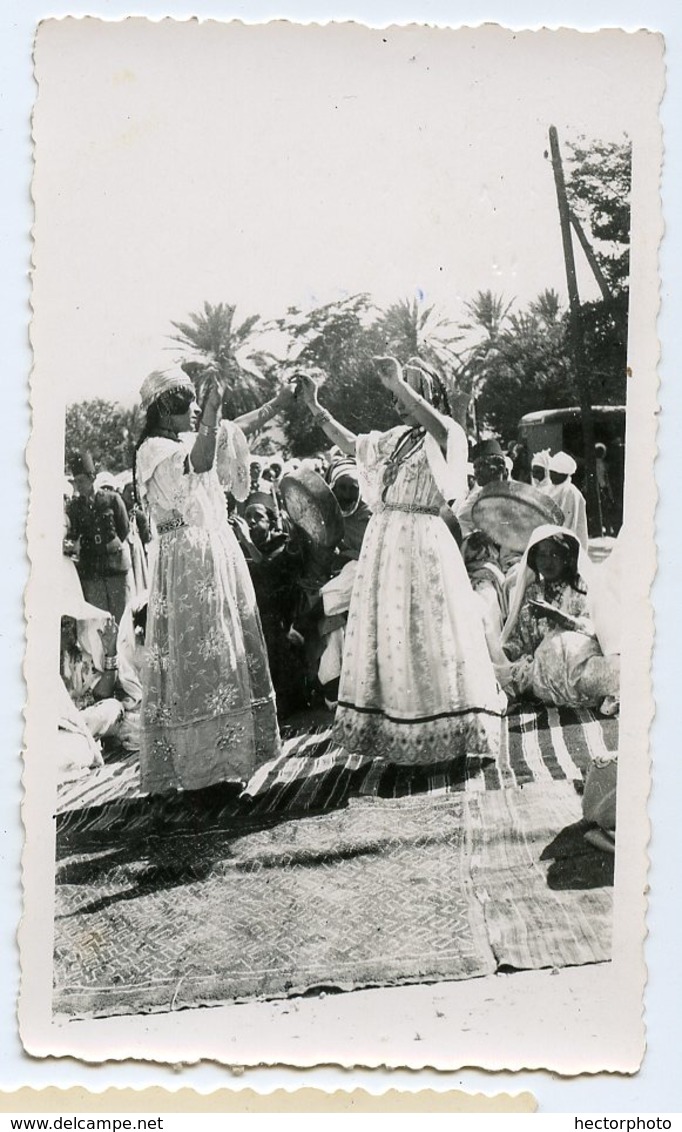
column 255, row 420
column 391, row 377
column 333, row 430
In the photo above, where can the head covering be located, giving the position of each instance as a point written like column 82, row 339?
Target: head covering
column 311, row 464
column 342, row 466
column 70, row 595
column 487, row 448
column 82, row 464
column 526, row 574
column 419, row 378
column 542, row 458
column 563, row 464
column 600, row 449
column 482, row 566
column 105, row 479
column 166, row 381
column 261, row 499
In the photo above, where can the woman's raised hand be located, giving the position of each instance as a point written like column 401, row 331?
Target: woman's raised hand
column 287, row 391
column 307, row 387
column 389, row 372
column 214, row 390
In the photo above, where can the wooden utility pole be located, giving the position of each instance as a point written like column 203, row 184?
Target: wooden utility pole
column 591, row 259
column 594, row 518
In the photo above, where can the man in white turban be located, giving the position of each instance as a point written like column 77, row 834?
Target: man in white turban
column 566, row 495
column 539, row 470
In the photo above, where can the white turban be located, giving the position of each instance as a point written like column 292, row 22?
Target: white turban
column 563, row 464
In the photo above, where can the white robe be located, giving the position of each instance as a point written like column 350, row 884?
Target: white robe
column 572, row 503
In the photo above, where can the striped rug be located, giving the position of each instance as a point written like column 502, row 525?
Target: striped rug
column 312, row 774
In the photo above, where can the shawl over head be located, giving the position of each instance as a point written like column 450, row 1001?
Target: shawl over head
column 526, row 575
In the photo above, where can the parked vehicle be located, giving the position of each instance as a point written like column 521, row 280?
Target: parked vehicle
column 560, row 430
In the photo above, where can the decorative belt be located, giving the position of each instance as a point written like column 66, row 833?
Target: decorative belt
column 410, row 508
column 170, row 525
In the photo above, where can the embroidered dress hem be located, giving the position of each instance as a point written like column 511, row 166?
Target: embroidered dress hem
column 417, row 741
column 201, row 753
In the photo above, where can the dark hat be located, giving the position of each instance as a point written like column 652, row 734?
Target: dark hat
column 261, row 499
column 487, row 448
column 82, row 464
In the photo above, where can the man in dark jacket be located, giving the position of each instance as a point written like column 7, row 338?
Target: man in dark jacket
column 98, row 523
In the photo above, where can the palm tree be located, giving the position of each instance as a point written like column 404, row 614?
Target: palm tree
column 212, row 339
column 547, row 307
column 411, row 329
column 488, row 312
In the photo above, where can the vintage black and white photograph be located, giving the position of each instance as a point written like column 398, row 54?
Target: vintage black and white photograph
column 341, row 533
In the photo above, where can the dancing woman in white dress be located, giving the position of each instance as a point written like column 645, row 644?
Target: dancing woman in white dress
column 417, row 685
column 208, row 707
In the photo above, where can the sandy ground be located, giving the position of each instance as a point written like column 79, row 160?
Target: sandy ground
column 562, row 1020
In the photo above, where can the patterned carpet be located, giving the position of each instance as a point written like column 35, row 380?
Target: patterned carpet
column 336, row 873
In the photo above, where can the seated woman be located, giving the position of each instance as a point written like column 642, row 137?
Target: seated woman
column 88, row 708
column 481, row 556
column 551, row 649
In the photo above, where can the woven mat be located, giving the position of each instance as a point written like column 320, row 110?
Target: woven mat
column 377, row 881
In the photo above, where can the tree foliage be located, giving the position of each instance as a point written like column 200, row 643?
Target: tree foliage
column 106, row 430
column 525, row 366
column 411, row 329
column 598, row 189
column 339, row 338
column 213, row 338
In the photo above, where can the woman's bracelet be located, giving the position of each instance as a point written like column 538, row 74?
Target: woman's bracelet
column 110, row 663
column 323, row 415
column 208, row 430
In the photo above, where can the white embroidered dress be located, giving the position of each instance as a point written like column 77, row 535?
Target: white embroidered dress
column 417, row 684
column 208, row 707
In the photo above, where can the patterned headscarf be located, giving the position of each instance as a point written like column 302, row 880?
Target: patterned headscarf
column 342, row 466
column 425, row 381
column 158, row 383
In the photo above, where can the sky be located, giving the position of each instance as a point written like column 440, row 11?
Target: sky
column 280, row 166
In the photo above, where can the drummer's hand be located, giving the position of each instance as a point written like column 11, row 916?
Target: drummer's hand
column 108, row 635
column 306, row 388
column 241, row 528
column 389, row 372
